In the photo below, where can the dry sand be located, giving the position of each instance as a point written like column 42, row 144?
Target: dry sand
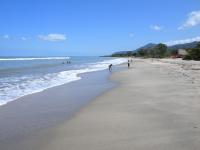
column 153, row 108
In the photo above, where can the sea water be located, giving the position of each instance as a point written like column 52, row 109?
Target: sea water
column 20, row 76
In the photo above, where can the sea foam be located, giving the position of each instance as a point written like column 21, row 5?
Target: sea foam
column 33, row 58
column 30, row 84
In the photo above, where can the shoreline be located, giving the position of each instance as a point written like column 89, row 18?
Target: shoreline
column 46, row 89
column 152, row 108
column 53, row 106
column 18, row 85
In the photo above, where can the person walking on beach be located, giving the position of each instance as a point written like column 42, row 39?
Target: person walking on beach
column 128, row 64
column 110, row 67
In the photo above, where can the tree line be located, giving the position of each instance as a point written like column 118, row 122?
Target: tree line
column 162, row 51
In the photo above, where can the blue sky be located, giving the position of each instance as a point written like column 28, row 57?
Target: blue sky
column 93, row 27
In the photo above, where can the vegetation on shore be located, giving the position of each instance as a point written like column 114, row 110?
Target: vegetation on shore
column 162, row 51
column 193, row 54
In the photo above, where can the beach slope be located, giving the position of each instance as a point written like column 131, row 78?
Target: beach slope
column 153, row 108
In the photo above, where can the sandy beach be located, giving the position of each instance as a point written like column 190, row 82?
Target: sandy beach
column 153, row 108
column 99, row 75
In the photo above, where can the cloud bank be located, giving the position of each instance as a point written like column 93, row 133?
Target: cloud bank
column 189, row 40
column 53, row 37
column 192, row 20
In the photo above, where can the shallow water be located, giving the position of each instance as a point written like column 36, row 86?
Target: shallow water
column 20, row 76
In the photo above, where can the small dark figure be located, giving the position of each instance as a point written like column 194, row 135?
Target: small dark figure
column 68, row 62
column 128, row 64
column 110, row 67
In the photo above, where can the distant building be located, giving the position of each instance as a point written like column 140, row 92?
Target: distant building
column 182, row 52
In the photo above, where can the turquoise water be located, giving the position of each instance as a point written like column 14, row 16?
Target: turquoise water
column 20, row 76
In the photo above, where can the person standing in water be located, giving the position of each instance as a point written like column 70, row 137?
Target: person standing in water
column 110, row 67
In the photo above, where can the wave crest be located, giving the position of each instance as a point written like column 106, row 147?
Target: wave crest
column 33, row 58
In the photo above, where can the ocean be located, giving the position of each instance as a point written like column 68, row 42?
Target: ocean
column 20, row 76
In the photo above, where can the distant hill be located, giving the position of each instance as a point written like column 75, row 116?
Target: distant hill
column 121, row 52
column 147, row 46
column 184, row 46
column 150, row 46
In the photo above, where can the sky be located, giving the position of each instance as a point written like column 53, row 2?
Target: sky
column 94, row 27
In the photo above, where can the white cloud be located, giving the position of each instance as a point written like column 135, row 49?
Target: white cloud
column 189, row 40
column 23, row 38
column 6, row 36
column 131, row 35
column 53, row 37
column 192, row 20
column 156, row 27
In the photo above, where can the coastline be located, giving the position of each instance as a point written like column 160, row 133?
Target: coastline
column 20, row 77
column 153, row 107
column 46, row 109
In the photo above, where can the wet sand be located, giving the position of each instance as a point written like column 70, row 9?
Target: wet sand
column 153, row 108
column 30, row 114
